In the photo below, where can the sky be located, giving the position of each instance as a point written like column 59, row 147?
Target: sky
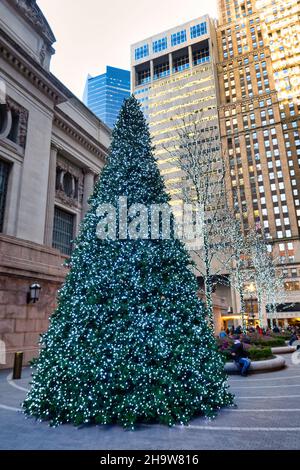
column 91, row 34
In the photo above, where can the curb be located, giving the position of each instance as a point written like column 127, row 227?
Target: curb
column 258, row 366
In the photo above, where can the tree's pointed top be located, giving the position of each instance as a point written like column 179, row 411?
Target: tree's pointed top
column 131, row 119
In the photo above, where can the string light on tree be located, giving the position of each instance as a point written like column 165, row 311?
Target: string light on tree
column 128, row 341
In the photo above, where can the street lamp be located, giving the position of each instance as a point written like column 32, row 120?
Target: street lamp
column 34, row 293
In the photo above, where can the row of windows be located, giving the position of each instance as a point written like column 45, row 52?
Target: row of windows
column 160, row 45
column 179, row 64
column 198, row 30
column 141, row 52
column 176, row 38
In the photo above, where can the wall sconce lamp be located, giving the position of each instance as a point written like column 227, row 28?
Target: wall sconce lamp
column 34, row 293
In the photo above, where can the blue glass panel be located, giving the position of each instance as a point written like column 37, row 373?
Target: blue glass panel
column 141, row 52
column 159, row 45
column 178, row 38
column 198, row 30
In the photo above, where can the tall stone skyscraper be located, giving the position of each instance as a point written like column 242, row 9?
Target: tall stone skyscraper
column 259, row 82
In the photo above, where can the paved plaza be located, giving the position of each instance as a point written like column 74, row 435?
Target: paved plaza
column 267, row 416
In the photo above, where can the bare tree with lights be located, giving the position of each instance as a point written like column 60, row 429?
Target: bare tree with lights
column 237, row 263
column 267, row 276
column 275, row 292
column 199, row 157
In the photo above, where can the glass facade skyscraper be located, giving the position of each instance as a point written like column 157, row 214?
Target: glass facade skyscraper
column 104, row 94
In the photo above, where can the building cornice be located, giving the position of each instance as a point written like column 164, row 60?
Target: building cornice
column 33, row 14
column 45, row 81
column 12, row 53
column 70, row 127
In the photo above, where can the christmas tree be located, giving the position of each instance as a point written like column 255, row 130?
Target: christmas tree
column 129, row 341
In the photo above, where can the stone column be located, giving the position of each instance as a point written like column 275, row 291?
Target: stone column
column 190, row 56
column 151, row 70
column 12, row 200
column 87, row 190
column 50, row 197
column 133, row 79
column 171, row 63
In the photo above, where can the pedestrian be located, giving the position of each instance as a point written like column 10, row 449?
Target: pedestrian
column 294, row 337
column 240, row 357
column 276, row 329
column 238, row 330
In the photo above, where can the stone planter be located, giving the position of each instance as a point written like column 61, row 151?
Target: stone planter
column 283, row 350
column 268, row 365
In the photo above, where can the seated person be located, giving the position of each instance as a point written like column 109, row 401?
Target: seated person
column 240, row 356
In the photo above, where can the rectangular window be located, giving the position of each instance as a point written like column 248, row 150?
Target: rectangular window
column 292, row 285
column 178, row 38
column 4, row 173
column 181, row 63
column 202, row 56
column 63, row 231
column 160, row 45
column 143, row 77
column 161, row 70
column 198, row 30
column 141, row 52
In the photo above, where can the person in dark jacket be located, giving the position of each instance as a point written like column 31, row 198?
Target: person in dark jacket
column 238, row 330
column 294, row 337
column 240, row 357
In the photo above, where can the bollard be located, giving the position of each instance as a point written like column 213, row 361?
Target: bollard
column 18, row 362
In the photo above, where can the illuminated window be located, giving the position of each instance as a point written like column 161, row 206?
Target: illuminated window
column 292, row 285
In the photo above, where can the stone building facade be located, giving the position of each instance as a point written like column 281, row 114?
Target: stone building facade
column 52, row 148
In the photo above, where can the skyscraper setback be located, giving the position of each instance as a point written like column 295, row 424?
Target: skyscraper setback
column 258, row 70
column 174, row 77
